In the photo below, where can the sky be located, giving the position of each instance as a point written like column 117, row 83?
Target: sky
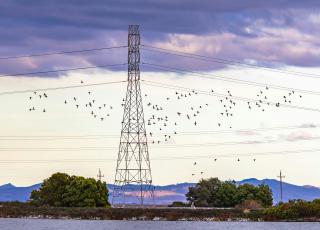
column 279, row 36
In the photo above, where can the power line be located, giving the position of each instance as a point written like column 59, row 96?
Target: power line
column 226, row 61
column 61, row 52
column 231, row 143
column 227, row 79
column 60, row 70
column 175, row 87
column 167, row 145
column 186, row 157
column 248, row 130
column 210, row 132
column 59, row 88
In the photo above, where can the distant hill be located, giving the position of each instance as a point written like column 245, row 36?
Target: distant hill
column 290, row 191
column 9, row 192
column 176, row 192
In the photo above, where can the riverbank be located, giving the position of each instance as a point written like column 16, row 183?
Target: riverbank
column 128, row 213
column 151, row 213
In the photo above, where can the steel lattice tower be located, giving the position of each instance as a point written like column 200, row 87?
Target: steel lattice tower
column 133, row 164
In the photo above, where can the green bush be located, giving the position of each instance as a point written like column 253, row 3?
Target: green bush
column 215, row 193
column 62, row 190
column 294, row 209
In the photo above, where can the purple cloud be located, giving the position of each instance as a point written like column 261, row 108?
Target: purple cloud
column 279, row 31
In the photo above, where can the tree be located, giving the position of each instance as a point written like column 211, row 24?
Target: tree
column 226, row 195
column 62, row 190
column 246, row 192
column 264, row 195
column 261, row 193
column 215, row 193
column 51, row 191
column 203, row 194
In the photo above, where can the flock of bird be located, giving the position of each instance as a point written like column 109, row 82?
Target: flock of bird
column 226, row 112
column 96, row 110
column 159, row 119
column 37, row 95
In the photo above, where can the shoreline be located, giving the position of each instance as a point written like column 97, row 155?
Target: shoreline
column 143, row 214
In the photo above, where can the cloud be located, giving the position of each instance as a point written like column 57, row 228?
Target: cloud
column 281, row 31
column 309, row 125
column 247, row 133
column 296, row 136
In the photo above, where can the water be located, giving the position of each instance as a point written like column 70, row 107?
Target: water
column 37, row 224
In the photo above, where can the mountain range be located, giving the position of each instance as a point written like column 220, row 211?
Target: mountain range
column 176, row 192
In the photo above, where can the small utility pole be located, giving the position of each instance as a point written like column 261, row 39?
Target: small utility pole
column 100, row 175
column 281, row 190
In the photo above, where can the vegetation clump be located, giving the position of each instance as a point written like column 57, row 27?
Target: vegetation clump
column 62, row 190
column 294, row 210
column 215, row 193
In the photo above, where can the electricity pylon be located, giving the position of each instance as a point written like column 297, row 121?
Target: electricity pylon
column 281, row 189
column 133, row 164
column 99, row 176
